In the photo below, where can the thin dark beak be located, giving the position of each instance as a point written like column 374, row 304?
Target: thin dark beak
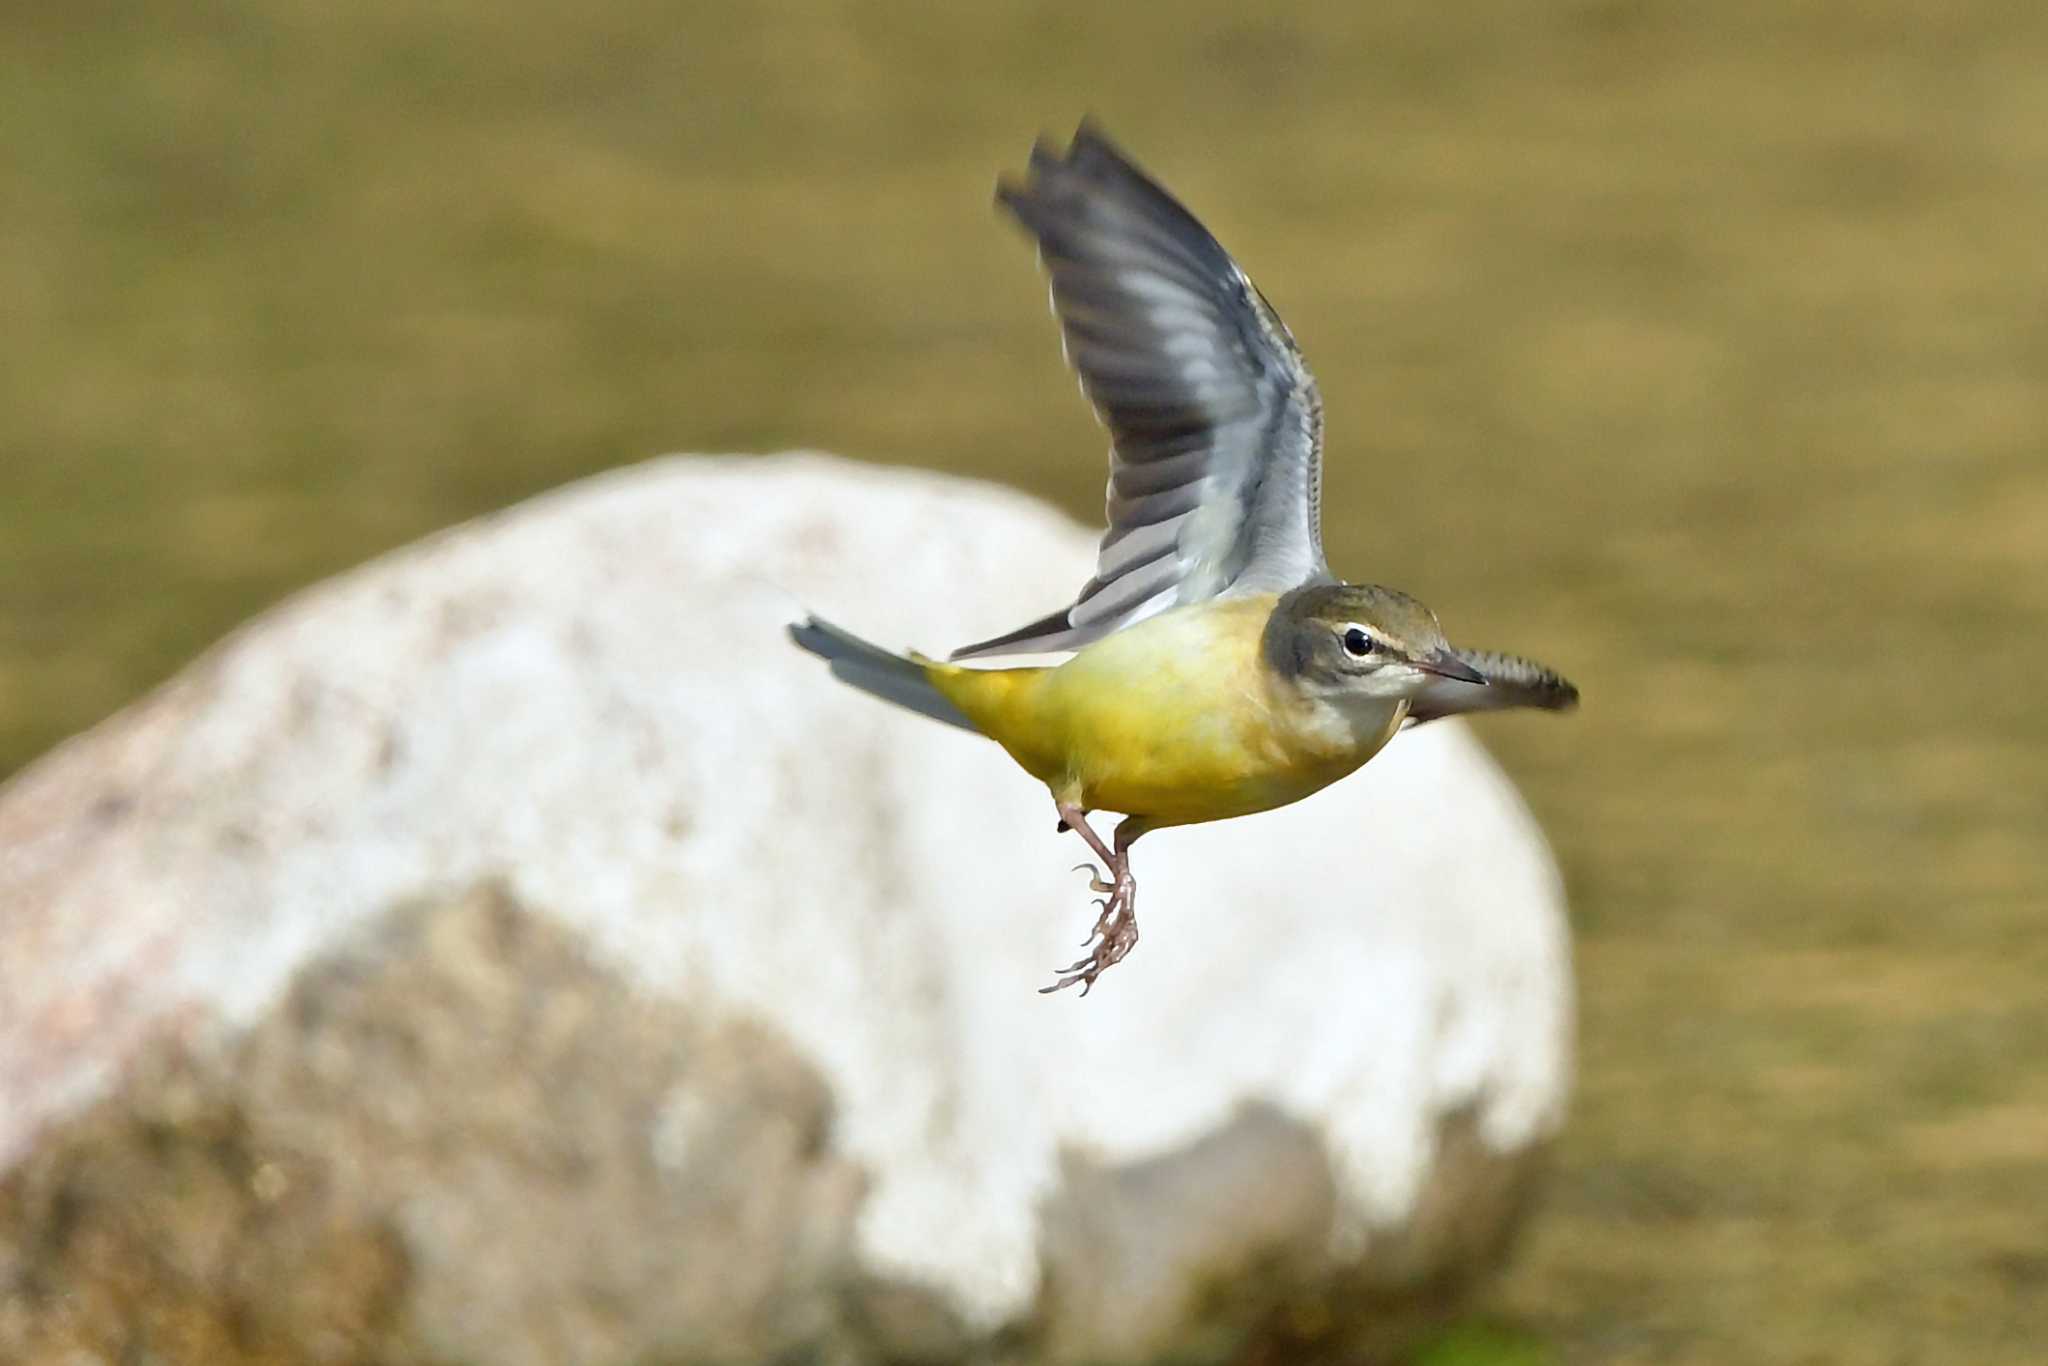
column 1445, row 664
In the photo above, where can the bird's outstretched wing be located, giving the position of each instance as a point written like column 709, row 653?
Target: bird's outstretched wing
column 1215, row 465
column 1511, row 681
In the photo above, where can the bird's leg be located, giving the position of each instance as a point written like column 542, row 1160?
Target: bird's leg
column 1116, row 929
column 1074, row 819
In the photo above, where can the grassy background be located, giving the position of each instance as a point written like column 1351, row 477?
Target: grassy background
column 1702, row 350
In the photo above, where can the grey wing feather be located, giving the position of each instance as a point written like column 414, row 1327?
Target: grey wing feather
column 1214, row 420
column 1511, row 681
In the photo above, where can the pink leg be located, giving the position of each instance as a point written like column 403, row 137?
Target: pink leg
column 1116, row 929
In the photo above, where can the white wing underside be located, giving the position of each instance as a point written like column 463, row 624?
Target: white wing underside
column 1215, row 425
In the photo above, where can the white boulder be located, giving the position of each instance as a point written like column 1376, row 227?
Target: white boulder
column 589, row 701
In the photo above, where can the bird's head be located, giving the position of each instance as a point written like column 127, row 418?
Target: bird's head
column 1339, row 640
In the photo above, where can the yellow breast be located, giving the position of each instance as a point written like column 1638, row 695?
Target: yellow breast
column 1178, row 719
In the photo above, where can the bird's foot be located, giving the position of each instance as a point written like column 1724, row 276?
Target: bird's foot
column 1114, row 935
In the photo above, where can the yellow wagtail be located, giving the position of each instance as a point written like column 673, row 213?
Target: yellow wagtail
column 1217, row 666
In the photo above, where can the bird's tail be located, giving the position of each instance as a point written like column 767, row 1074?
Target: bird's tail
column 891, row 677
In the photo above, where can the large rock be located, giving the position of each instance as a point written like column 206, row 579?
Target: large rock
column 579, row 974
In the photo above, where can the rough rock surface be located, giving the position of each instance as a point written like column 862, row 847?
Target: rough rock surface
column 733, row 908
column 454, row 1140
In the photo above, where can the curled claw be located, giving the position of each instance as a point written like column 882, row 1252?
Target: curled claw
column 1095, row 882
column 1102, row 916
column 1086, row 979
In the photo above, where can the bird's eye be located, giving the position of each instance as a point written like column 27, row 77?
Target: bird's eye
column 1357, row 643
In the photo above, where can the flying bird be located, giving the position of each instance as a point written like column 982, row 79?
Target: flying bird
column 1215, row 667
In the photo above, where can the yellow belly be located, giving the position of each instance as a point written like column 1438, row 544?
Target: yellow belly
column 1177, row 720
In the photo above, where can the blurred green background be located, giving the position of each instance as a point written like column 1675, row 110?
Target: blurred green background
column 1701, row 350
